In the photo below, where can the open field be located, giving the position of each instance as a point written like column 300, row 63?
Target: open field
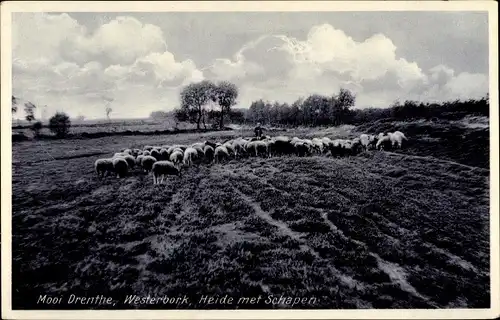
column 104, row 126
column 379, row 230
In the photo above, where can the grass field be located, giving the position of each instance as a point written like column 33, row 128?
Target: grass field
column 111, row 126
column 379, row 230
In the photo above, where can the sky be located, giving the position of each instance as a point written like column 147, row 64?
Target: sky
column 137, row 63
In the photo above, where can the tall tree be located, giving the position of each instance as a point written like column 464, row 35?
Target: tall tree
column 29, row 109
column 194, row 98
column 225, row 94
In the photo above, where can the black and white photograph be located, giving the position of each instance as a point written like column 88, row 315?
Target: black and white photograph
column 241, row 158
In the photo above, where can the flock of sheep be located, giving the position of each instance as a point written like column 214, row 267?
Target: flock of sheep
column 166, row 160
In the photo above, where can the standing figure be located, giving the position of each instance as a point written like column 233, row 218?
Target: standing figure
column 258, row 131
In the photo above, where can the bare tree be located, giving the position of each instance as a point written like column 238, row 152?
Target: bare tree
column 108, row 111
column 29, row 109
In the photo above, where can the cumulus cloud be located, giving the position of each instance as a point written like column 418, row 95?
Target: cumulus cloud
column 328, row 59
column 55, row 56
column 63, row 64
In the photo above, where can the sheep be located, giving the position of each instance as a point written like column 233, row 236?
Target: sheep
column 327, row 144
column 200, row 152
column 189, row 155
column 103, row 167
column 147, row 148
column 220, row 153
column 120, row 154
column 156, row 154
column 271, row 145
column 146, row 153
column 200, row 145
column 120, row 166
column 326, row 141
column 163, row 168
column 239, row 146
column 209, row 153
column 256, row 147
column 136, row 152
column 177, row 157
column 281, row 145
column 384, row 143
column 366, row 140
column 164, row 154
column 397, row 139
column 176, row 147
column 302, row 148
column 138, row 161
column 337, row 148
column 317, row 145
column 229, row 147
column 265, row 138
column 210, row 143
column 147, row 163
column 355, row 146
column 130, row 160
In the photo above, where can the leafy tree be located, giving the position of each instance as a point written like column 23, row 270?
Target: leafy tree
column 29, row 109
column 225, row 94
column 36, row 127
column 60, row 124
column 194, row 98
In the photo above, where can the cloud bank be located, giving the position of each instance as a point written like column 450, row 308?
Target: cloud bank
column 60, row 63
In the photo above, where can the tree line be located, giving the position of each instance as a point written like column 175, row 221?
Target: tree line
column 336, row 110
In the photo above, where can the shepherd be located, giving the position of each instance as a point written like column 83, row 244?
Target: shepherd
column 258, row 131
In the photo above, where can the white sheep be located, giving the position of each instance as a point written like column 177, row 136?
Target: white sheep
column 397, row 139
column 189, row 155
column 175, row 147
column 301, row 148
column 318, row 145
column 177, row 157
column 257, row 147
column 138, row 161
column 383, row 143
column 198, row 144
column 130, row 159
column 201, row 153
column 229, row 147
column 366, row 140
column 120, row 154
column 103, row 167
column 161, row 169
column 239, row 146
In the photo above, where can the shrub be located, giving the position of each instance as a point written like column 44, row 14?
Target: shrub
column 36, row 127
column 59, row 124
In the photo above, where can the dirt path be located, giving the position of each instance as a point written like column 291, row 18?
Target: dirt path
column 285, row 230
